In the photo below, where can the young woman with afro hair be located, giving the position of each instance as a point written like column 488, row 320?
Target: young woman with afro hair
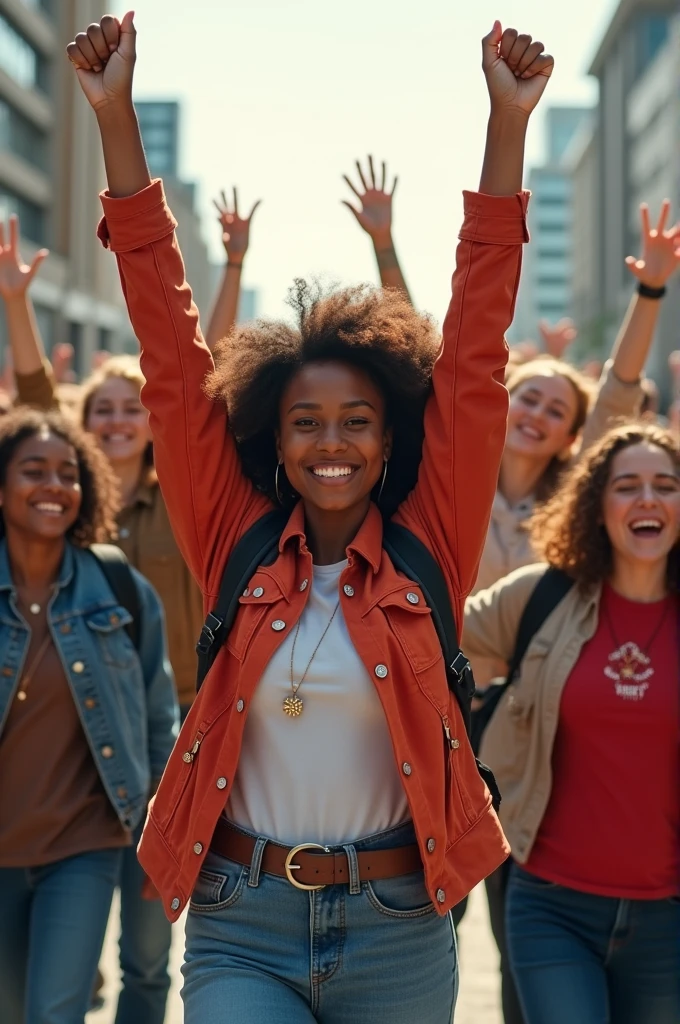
column 322, row 811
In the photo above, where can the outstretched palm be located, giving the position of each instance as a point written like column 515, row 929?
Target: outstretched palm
column 235, row 229
column 660, row 249
column 375, row 214
column 15, row 275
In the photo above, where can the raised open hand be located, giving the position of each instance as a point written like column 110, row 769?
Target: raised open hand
column 104, row 58
column 660, row 249
column 15, row 275
column 516, row 69
column 375, row 214
column 558, row 337
column 235, row 229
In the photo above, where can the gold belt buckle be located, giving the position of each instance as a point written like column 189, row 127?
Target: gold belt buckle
column 290, row 867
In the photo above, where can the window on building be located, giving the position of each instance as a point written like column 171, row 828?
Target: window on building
column 18, row 58
column 19, row 136
column 45, row 6
column 45, row 319
column 104, row 339
column 651, row 32
column 32, row 218
column 548, row 280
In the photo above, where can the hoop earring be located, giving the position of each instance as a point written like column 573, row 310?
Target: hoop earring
column 382, row 482
column 276, row 484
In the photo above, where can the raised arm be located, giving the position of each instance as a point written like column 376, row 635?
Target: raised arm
column 374, row 215
column 207, row 495
column 34, row 379
column 465, row 420
column 235, row 239
column 620, row 392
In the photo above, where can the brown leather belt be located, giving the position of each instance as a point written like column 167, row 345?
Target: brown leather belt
column 310, row 866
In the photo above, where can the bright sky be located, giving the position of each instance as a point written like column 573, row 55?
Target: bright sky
column 280, row 96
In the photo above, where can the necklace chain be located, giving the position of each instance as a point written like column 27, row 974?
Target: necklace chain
column 645, row 648
column 293, row 705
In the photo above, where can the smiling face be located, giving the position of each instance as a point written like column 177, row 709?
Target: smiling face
column 541, row 416
column 332, row 436
column 41, row 495
column 118, row 420
column 641, row 504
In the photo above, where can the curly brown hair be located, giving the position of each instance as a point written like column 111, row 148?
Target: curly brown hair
column 567, row 531
column 584, row 392
column 376, row 330
column 96, row 522
column 118, row 367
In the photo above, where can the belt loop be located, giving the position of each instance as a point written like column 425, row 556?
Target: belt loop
column 256, row 863
column 353, row 862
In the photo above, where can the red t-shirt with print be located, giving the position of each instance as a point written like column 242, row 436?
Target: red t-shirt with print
column 612, row 826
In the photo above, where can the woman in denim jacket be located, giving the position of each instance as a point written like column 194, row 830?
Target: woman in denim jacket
column 87, row 721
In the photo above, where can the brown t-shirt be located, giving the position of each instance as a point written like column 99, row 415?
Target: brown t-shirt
column 52, row 801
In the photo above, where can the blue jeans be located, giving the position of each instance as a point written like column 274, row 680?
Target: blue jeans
column 258, row 949
column 52, row 926
column 145, row 937
column 592, row 959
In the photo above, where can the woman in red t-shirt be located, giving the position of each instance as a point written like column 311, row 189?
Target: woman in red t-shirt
column 585, row 743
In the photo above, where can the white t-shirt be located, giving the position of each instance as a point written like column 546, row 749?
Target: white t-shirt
column 328, row 776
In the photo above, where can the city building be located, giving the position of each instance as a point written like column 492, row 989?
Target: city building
column 51, row 171
column 632, row 155
column 159, row 121
column 545, row 289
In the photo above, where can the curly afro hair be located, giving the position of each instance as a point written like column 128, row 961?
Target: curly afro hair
column 376, row 330
column 96, row 522
column 567, row 531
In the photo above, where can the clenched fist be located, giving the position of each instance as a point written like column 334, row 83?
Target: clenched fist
column 104, row 58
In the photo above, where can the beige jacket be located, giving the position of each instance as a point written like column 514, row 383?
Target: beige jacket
column 518, row 742
column 508, row 544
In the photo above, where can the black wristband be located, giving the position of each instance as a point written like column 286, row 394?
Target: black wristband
column 647, row 292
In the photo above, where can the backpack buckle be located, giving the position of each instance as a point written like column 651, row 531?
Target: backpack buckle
column 207, row 637
column 459, row 666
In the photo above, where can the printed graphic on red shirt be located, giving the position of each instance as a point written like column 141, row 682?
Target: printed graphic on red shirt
column 630, row 668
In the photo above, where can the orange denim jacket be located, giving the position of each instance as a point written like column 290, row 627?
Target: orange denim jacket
column 211, row 504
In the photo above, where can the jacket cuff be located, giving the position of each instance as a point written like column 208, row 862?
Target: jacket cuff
column 37, row 389
column 135, row 221
column 625, row 394
column 496, row 220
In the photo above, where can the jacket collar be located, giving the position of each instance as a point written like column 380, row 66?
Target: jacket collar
column 65, row 570
column 367, row 543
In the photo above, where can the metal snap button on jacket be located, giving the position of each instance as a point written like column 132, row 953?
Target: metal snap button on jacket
column 381, row 671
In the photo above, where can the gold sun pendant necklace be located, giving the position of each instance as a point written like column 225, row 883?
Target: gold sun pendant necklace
column 293, row 704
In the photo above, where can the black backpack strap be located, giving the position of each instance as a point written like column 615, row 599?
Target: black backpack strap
column 553, row 586
column 116, row 568
column 258, row 546
column 410, row 556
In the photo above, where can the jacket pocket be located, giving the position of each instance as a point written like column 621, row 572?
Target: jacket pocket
column 254, row 604
column 108, row 627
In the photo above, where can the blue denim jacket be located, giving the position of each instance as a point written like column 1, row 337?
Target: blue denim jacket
column 126, row 701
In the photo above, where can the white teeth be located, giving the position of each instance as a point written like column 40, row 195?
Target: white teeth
column 46, row 506
column 536, row 435
column 333, row 471
column 647, row 524
column 116, row 437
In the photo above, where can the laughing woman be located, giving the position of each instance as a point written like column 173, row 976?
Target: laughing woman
column 326, row 720
column 585, row 743
column 87, row 720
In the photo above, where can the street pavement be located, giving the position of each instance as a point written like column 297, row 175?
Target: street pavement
column 478, row 1002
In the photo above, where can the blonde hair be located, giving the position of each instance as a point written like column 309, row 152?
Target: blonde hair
column 584, row 390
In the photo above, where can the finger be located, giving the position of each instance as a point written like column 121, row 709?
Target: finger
column 394, row 186
column 636, row 267
column 75, row 56
column 356, row 192
column 663, row 216
column 99, row 44
column 127, row 45
column 255, row 206
column 350, row 207
column 220, row 209
column 372, row 170
column 519, row 48
column 110, row 27
column 225, row 204
column 88, row 52
column 644, row 217
column 361, row 175
column 383, row 176
column 39, row 258
column 507, row 42
column 490, row 45
column 235, row 201
column 528, row 57
column 542, row 65
column 14, row 234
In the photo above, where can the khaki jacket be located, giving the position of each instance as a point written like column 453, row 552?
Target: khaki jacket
column 518, row 742
column 508, row 543
column 146, row 537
